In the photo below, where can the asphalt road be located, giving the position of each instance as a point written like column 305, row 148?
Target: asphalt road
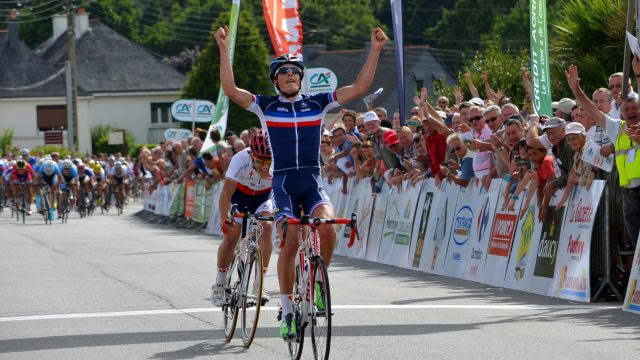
column 111, row 287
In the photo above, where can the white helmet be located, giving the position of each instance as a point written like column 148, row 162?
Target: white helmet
column 67, row 164
column 118, row 164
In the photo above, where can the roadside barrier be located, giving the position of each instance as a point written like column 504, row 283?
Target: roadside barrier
column 450, row 231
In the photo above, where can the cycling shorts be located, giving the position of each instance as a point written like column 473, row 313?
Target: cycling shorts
column 50, row 180
column 256, row 203
column 295, row 191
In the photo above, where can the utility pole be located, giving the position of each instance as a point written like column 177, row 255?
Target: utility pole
column 71, row 54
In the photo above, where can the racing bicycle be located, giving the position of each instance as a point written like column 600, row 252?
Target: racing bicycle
column 311, row 291
column 243, row 289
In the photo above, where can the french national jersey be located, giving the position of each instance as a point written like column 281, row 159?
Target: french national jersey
column 294, row 128
column 249, row 181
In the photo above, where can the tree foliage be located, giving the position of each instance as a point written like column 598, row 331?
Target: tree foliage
column 251, row 62
column 100, row 140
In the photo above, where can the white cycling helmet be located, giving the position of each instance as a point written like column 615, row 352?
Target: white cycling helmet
column 48, row 168
column 118, row 164
column 67, row 164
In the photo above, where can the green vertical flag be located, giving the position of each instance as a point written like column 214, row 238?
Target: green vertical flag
column 540, row 79
column 221, row 111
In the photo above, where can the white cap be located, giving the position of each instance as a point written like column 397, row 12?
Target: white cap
column 574, row 128
column 477, row 101
column 370, row 116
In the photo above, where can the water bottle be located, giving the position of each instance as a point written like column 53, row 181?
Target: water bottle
column 38, row 201
column 52, row 214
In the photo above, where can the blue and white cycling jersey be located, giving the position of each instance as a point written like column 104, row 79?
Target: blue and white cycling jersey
column 294, row 128
column 73, row 173
column 40, row 169
column 87, row 172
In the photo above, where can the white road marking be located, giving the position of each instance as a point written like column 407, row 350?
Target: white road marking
column 345, row 307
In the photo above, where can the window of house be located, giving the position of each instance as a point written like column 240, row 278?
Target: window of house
column 161, row 113
column 51, row 117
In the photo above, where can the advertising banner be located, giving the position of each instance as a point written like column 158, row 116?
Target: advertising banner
column 213, row 226
column 221, row 112
column 632, row 299
column 522, row 259
column 540, row 77
column 284, row 26
column 377, row 223
column 177, row 203
column 503, row 231
column 360, row 202
column 396, row 236
column 189, row 198
column 319, row 80
column 480, row 232
column 548, row 243
column 443, row 210
column 571, row 280
column 420, row 229
column 461, row 227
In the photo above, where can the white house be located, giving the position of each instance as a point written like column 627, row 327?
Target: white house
column 119, row 83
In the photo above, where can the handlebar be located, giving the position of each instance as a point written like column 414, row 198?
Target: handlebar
column 306, row 220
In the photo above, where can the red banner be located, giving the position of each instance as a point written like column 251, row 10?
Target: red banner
column 284, row 25
column 189, row 198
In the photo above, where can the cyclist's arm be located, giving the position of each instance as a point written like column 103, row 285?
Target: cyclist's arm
column 224, row 203
column 239, row 96
column 359, row 87
column 187, row 172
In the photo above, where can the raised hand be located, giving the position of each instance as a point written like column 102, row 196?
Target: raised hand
column 378, row 39
column 221, row 36
column 572, row 78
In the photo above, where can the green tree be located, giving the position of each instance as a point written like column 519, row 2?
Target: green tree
column 100, row 140
column 122, row 16
column 339, row 24
column 590, row 35
column 6, row 140
column 250, row 69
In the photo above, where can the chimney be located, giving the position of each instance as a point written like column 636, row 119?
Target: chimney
column 59, row 26
column 81, row 22
column 14, row 30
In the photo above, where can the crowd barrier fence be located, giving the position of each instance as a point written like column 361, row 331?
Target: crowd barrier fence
column 453, row 231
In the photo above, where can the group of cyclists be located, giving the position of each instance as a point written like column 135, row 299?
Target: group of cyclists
column 92, row 181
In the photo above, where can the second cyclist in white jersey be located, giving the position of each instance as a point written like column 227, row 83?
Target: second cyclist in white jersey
column 247, row 184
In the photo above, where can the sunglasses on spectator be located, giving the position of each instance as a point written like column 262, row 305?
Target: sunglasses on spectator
column 360, row 126
column 285, row 70
column 475, row 118
column 414, row 113
column 616, row 86
column 457, row 148
column 491, row 120
column 442, row 102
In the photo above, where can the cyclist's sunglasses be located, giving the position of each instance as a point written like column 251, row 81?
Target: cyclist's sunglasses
column 261, row 162
column 285, row 69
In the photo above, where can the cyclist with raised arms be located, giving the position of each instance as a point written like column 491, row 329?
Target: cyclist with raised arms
column 293, row 122
column 247, row 184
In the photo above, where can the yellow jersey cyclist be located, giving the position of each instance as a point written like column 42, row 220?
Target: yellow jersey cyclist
column 247, row 184
column 293, row 122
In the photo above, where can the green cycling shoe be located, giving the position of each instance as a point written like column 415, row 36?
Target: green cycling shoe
column 288, row 329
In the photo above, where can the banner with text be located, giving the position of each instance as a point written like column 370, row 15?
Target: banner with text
column 540, row 78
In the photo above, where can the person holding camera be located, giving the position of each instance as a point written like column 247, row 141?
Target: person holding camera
column 450, row 169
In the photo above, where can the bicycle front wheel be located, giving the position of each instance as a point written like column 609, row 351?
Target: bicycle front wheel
column 321, row 311
column 296, row 345
column 230, row 308
column 252, row 299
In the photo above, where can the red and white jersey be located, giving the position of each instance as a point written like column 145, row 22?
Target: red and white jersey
column 249, row 180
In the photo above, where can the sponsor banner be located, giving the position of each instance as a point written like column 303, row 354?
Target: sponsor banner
column 546, row 256
column 522, row 259
column 396, row 236
column 176, row 134
column 481, row 231
column 320, row 80
column 284, row 26
column 177, row 203
column 377, row 223
column 503, row 232
column 632, row 299
column 221, row 112
column 443, row 210
column 420, row 230
column 461, row 227
column 396, row 19
column 540, row 76
column 189, row 110
column 361, row 203
column 571, row 280
column 213, row 227
column 189, row 198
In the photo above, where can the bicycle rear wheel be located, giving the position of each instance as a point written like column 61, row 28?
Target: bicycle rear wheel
column 252, row 301
column 230, row 308
column 320, row 310
column 295, row 346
